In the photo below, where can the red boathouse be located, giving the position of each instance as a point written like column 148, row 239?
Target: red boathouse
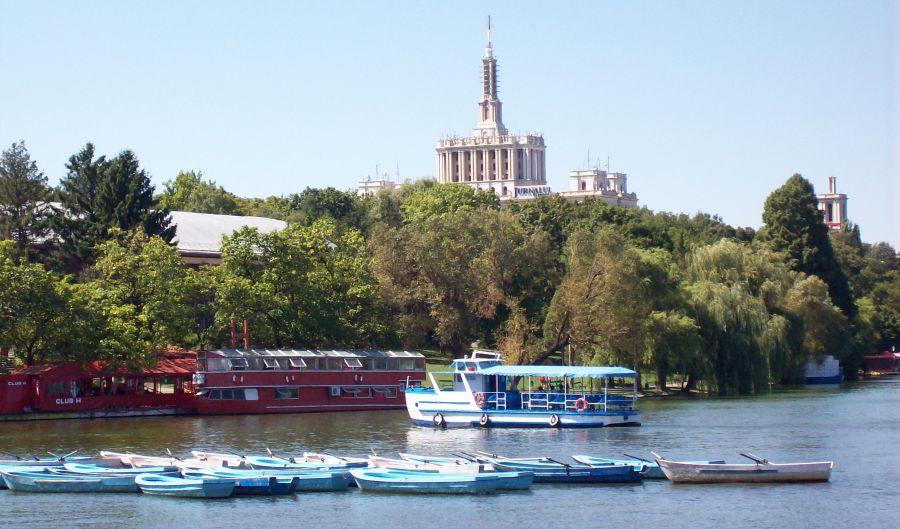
column 96, row 389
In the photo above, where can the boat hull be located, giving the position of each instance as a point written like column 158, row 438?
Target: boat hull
column 458, row 411
column 157, row 485
column 562, row 474
column 424, row 483
column 681, row 472
column 49, row 482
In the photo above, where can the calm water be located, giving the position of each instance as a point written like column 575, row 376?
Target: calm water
column 856, row 425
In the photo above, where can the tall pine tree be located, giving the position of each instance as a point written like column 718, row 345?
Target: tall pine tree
column 24, row 208
column 794, row 226
column 99, row 194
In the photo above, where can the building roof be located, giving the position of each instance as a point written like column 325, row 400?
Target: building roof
column 203, row 232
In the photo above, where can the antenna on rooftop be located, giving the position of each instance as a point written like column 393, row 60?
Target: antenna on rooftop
column 489, row 31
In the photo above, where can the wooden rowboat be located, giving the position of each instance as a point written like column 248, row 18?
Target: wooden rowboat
column 760, row 471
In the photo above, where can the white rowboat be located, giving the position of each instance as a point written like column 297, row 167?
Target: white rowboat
column 760, row 471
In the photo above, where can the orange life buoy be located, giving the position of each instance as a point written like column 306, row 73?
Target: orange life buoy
column 581, row 405
column 479, row 399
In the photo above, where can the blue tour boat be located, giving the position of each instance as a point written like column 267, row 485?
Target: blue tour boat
column 487, row 393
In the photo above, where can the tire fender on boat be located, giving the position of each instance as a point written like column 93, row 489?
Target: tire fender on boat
column 581, row 405
column 484, row 420
column 438, row 420
column 554, row 420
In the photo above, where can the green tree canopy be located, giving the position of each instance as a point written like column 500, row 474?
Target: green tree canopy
column 190, row 192
column 443, row 199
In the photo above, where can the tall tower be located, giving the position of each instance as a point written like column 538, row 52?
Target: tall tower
column 512, row 166
column 833, row 205
column 490, row 113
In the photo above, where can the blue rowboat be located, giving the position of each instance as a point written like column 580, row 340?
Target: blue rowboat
column 507, row 480
column 381, row 480
column 51, row 482
column 265, row 463
column 307, row 480
column 159, row 485
column 75, row 468
column 254, row 485
column 556, row 472
column 19, row 468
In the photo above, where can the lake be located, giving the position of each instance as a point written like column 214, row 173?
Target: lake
column 856, row 424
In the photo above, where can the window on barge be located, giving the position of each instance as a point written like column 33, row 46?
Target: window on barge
column 226, row 394
column 287, row 393
column 297, row 363
column 270, row 363
column 352, row 362
column 239, row 364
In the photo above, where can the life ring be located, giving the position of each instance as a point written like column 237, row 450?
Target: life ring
column 438, row 420
column 554, row 420
column 479, row 399
column 483, row 420
column 581, row 405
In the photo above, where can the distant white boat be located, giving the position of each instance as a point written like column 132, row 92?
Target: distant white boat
column 826, row 372
column 760, row 471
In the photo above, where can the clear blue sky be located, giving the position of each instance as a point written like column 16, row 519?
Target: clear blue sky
column 708, row 106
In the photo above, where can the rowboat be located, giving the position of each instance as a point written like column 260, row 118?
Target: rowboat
column 311, row 480
column 77, row 468
column 403, row 464
column 51, row 482
column 382, row 480
column 760, row 471
column 250, row 484
column 437, row 460
column 222, row 460
column 259, row 462
column 648, row 469
column 551, row 471
column 159, row 485
column 314, row 457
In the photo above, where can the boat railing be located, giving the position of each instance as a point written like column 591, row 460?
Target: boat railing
column 543, row 400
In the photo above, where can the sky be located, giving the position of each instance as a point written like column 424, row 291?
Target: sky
column 707, row 106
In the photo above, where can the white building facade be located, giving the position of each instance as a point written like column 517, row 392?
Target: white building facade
column 598, row 184
column 492, row 159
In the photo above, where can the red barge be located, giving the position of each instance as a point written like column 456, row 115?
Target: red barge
column 228, row 381
column 236, row 381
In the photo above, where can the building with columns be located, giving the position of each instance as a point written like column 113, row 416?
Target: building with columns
column 833, row 205
column 492, row 159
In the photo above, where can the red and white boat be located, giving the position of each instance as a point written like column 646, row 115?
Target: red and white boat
column 238, row 381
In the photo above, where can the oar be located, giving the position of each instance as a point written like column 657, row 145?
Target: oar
column 63, row 458
column 638, row 458
column 558, row 462
column 758, row 460
column 657, row 456
column 173, row 456
column 13, row 455
column 465, row 456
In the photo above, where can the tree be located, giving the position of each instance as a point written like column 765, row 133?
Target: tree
column 189, row 192
column 24, row 194
column 99, row 194
column 32, row 306
column 443, row 199
column 456, row 277
column 601, row 305
column 313, row 204
column 305, row 286
column 794, row 226
column 141, row 291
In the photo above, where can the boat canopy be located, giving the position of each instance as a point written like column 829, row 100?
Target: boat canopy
column 559, row 371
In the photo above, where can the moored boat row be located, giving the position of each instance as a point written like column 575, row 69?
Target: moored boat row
column 215, row 475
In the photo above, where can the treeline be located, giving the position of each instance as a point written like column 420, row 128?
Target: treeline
column 87, row 271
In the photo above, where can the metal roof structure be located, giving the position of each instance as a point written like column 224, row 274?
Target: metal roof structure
column 238, row 353
column 559, row 371
column 201, row 233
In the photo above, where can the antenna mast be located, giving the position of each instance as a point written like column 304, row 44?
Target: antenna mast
column 489, row 32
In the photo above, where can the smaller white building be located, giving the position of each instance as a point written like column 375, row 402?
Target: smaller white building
column 598, row 184
column 371, row 187
column 833, row 205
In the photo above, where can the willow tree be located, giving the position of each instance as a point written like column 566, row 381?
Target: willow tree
column 601, row 305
